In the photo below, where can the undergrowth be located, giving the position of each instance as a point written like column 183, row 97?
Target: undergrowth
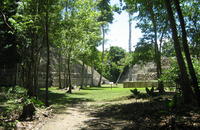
column 12, row 100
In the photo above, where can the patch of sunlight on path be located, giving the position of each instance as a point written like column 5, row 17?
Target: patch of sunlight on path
column 72, row 118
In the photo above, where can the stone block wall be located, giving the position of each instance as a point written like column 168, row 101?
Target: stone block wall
column 140, row 84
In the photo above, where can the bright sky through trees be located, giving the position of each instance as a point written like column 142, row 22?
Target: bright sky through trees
column 118, row 31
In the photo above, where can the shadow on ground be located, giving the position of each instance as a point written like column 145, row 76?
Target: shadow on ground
column 141, row 116
column 62, row 100
column 86, row 88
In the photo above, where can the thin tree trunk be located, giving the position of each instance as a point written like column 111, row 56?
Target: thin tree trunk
column 86, row 76
column 36, row 80
column 161, row 39
column 157, row 53
column 29, row 79
column 119, row 77
column 48, row 60
column 37, row 56
column 59, row 71
column 102, row 57
column 69, row 73
column 130, row 32
column 187, row 52
column 184, row 79
column 66, row 84
column 82, row 75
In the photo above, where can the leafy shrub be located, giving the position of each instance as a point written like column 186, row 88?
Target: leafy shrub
column 176, row 102
column 135, row 92
column 150, row 92
column 36, row 102
column 13, row 100
column 170, row 75
column 196, row 64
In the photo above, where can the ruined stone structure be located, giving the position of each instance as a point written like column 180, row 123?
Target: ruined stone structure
column 10, row 72
column 143, row 72
column 89, row 78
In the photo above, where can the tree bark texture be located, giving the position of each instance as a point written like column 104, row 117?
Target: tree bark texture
column 157, row 52
column 130, row 33
column 187, row 52
column 59, row 70
column 69, row 73
column 48, row 60
column 184, row 79
column 82, row 75
column 102, row 57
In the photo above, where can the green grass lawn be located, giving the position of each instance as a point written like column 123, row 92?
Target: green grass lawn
column 59, row 97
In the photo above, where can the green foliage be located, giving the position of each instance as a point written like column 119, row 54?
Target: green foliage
column 36, row 102
column 191, row 11
column 135, row 92
column 81, row 30
column 168, row 49
column 144, row 52
column 114, row 59
column 8, row 41
column 105, row 10
column 175, row 103
column 196, row 64
column 12, row 101
column 8, row 125
column 116, row 54
column 150, row 92
column 170, row 75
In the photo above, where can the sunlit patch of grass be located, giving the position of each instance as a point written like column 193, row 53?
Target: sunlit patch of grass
column 92, row 94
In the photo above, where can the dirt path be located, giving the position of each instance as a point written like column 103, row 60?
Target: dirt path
column 82, row 117
column 72, row 118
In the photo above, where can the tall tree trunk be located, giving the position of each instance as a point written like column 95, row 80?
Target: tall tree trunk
column 102, row 57
column 29, row 78
column 157, row 52
column 82, row 75
column 158, row 61
column 161, row 40
column 120, row 74
column 48, row 60
column 187, row 52
column 69, row 73
column 36, row 78
column 86, row 76
column 59, row 70
column 37, row 55
column 66, row 84
column 130, row 32
column 184, row 79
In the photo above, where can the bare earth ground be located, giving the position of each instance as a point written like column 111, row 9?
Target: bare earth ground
column 128, row 114
column 71, row 118
column 77, row 117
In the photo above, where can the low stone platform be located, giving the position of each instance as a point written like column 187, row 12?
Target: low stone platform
column 140, row 84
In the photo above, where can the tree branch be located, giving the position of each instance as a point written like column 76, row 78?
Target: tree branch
column 5, row 21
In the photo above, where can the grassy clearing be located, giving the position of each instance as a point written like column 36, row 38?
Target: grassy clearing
column 58, row 97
